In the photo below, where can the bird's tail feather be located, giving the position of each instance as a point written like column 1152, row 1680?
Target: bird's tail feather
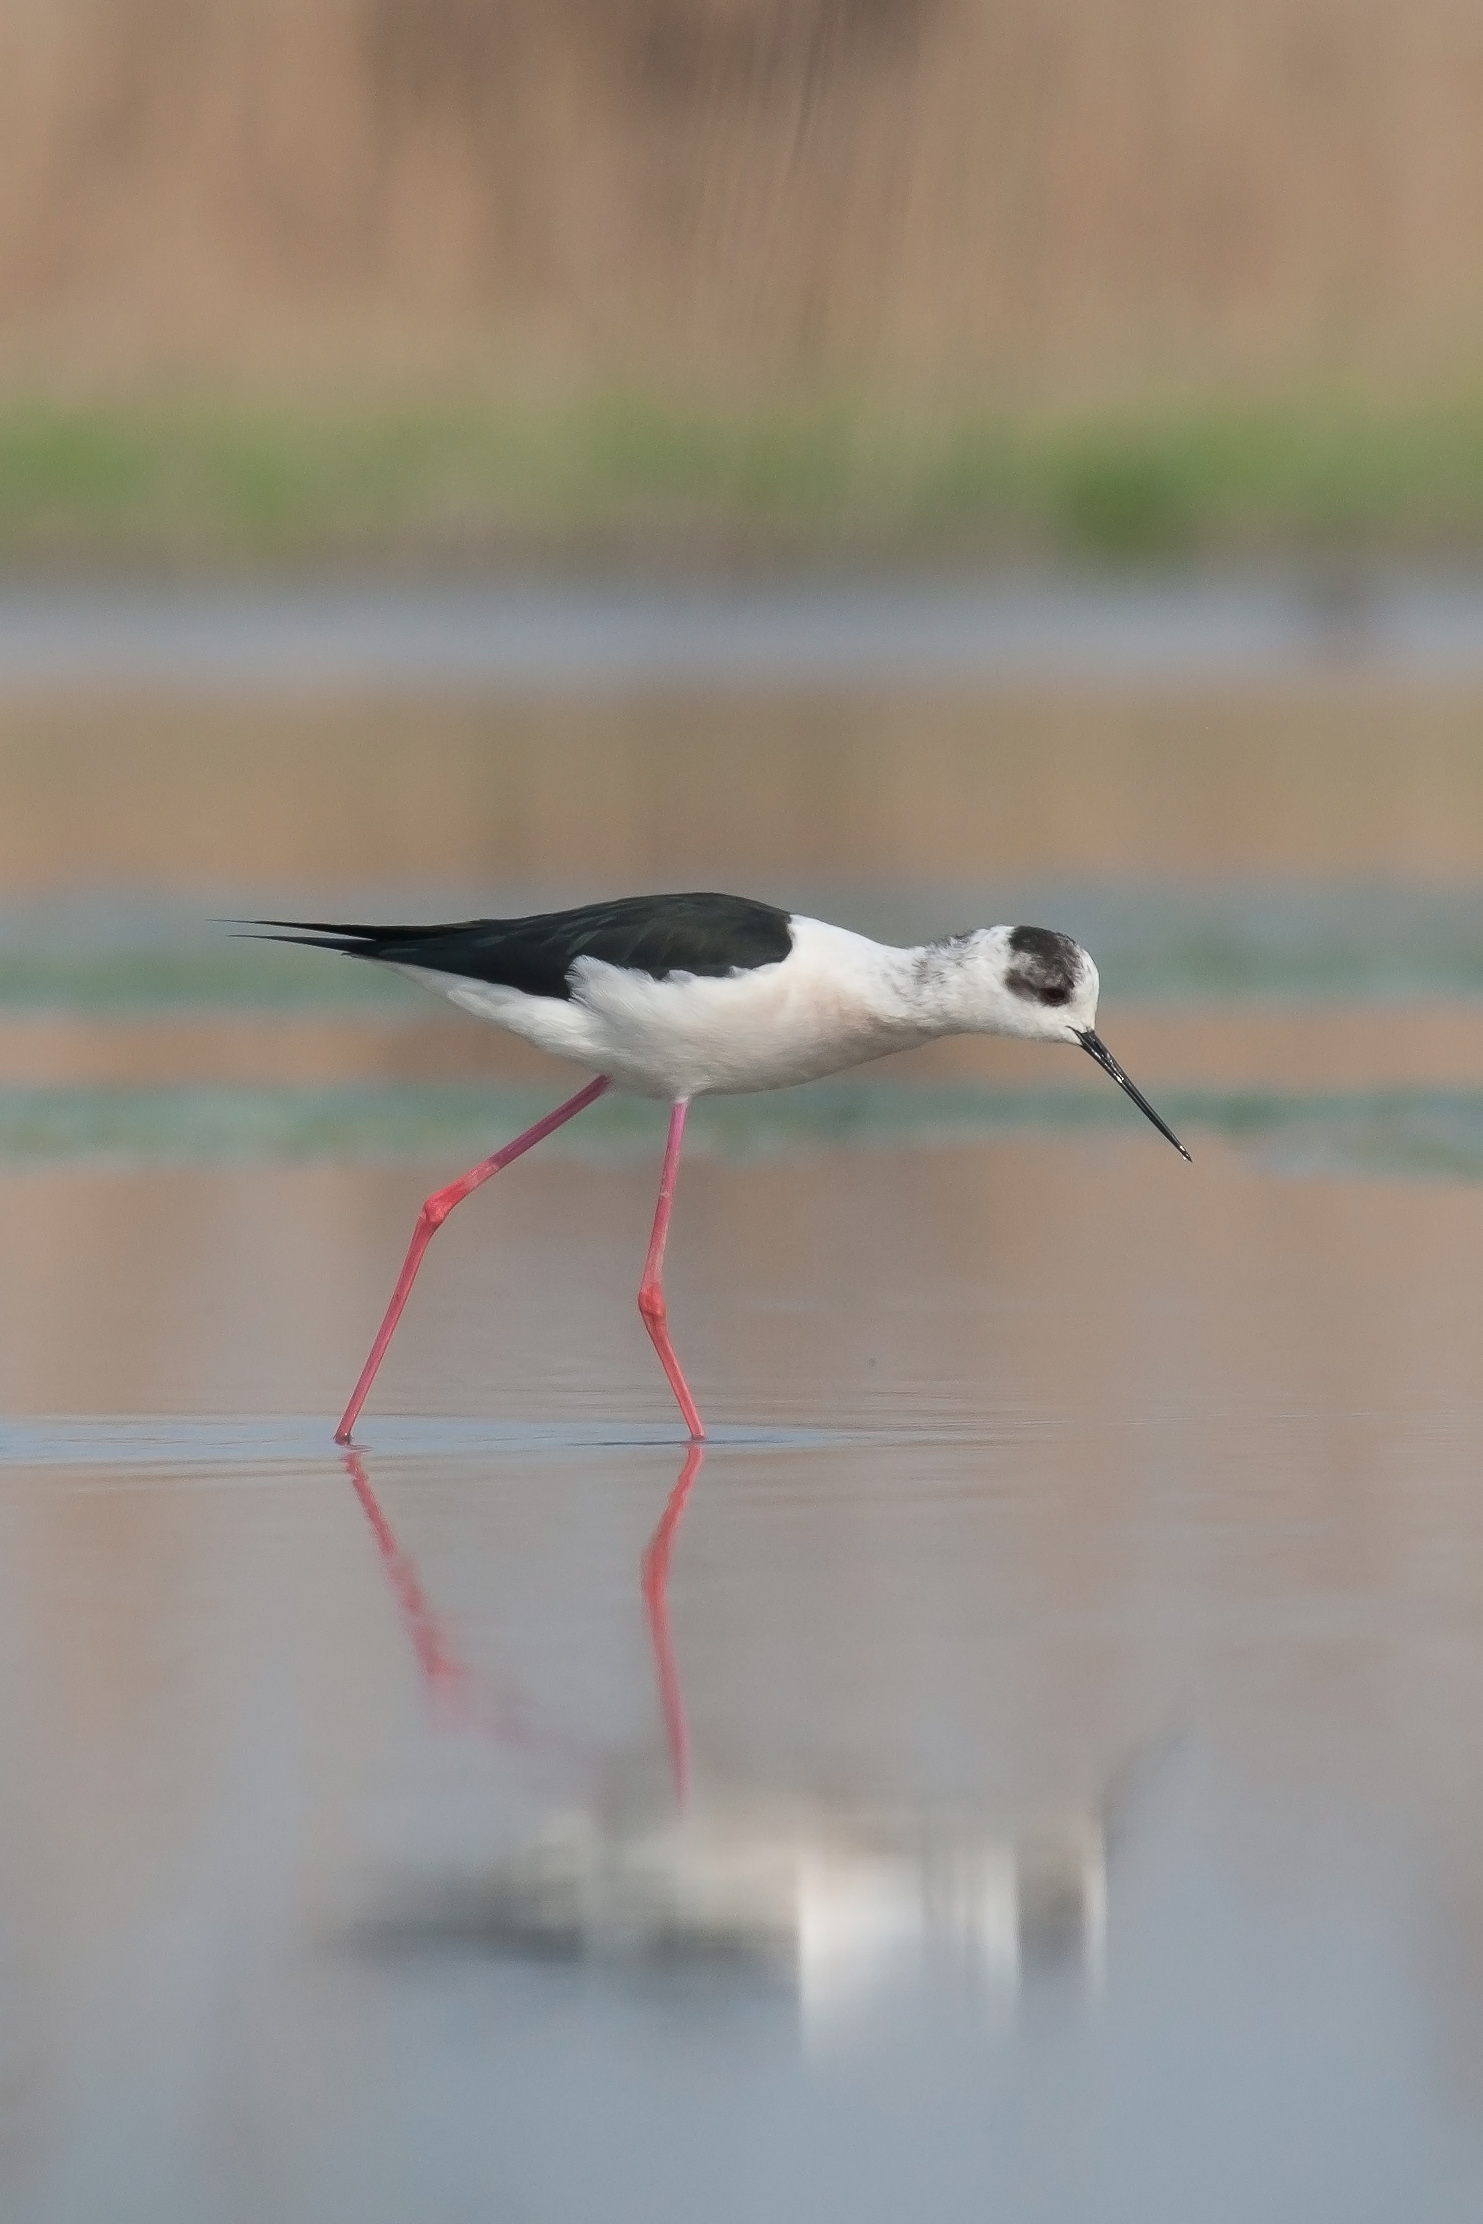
column 347, row 941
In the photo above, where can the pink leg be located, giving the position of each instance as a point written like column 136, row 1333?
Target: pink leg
column 431, row 1218
column 656, row 1602
column 651, row 1289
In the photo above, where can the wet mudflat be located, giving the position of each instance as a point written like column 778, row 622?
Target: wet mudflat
column 1029, row 1767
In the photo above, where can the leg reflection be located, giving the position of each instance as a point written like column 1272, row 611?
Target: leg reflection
column 458, row 1699
column 656, row 1605
column 454, row 1696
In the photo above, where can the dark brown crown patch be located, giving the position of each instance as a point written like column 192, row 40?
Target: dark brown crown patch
column 1047, row 965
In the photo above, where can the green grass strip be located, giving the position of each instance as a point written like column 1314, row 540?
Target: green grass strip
column 253, row 482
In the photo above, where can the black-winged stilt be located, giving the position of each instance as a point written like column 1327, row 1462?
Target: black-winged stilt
column 677, row 997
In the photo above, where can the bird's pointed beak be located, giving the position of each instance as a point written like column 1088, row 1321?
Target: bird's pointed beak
column 1093, row 1044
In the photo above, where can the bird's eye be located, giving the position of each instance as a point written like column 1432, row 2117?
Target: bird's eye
column 1040, row 988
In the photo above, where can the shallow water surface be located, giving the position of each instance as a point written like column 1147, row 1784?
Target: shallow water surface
column 1029, row 1767
column 1039, row 1774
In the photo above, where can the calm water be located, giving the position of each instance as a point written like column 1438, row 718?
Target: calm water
column 1040, row 1777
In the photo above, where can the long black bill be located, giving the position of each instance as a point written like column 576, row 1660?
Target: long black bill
column 1093, row 1043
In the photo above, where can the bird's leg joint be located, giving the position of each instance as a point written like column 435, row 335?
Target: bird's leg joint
column 436, row 1209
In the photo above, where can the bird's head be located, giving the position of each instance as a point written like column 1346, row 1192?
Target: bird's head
column 1042, row 986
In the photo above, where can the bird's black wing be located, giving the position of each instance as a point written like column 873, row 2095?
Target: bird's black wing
column 657, row 935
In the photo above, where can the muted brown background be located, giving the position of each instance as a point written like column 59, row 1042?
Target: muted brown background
column 1033, row 197
column 1348, row 778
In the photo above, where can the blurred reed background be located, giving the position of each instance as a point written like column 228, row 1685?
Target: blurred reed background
column 473, row 277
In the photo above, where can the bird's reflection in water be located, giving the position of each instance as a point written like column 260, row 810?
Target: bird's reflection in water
column 840, row 1899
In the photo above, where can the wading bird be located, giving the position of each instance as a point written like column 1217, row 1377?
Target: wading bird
column 677, row 997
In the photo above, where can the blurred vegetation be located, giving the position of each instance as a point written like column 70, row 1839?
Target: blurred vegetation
column 256, row 484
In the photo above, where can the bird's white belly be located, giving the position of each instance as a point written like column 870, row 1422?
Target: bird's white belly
column 731, row 1048
column 688, row 1036
column 761, row 1029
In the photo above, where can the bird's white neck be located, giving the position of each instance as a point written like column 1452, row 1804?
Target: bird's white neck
column 895, row 996
column 976, row 983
